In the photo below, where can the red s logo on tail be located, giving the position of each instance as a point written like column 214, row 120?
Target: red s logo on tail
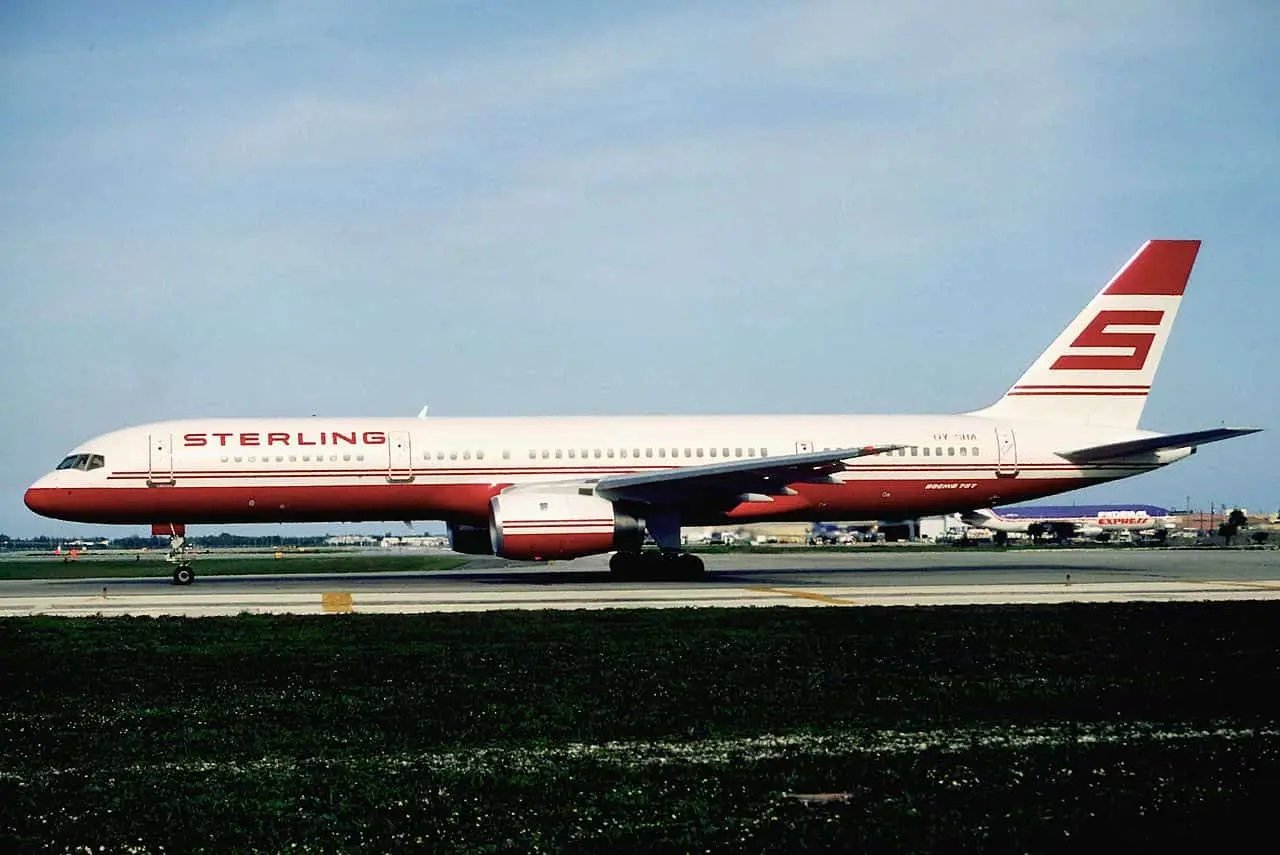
column 1096, row 334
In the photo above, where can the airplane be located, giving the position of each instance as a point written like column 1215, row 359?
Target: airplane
column 1062, row 522
column 544, row 488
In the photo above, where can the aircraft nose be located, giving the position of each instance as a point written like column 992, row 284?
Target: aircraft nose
column 42, row 500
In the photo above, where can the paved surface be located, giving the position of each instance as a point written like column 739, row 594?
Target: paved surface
column 862, row 577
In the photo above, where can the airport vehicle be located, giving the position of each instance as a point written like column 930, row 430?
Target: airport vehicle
column 1063, row 522
column 552, row 488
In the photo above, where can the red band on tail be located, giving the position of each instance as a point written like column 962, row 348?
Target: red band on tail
column 1161, row 268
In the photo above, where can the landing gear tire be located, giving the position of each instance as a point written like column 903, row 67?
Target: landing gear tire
column 656, row 566
column 183, row 575
column 689, row 566
column 626, row 566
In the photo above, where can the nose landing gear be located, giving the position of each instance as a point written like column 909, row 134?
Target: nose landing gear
column 183, row 573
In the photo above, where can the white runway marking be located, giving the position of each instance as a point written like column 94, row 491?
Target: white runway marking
column 193, row 602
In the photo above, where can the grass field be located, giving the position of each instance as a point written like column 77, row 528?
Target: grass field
column 229, row 565
column 964, row 729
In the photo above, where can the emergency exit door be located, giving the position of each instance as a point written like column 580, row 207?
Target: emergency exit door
column 1006, row 452
column 400, row 456
column 160, row 459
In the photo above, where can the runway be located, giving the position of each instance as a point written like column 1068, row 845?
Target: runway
column 868, row 577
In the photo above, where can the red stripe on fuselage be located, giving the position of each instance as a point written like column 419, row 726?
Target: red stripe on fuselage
column 872, row 498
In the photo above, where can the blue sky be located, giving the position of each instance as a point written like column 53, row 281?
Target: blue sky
column 355, row 209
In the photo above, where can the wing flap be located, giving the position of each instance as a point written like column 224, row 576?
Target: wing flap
column 762, row 476
column 1151, row 444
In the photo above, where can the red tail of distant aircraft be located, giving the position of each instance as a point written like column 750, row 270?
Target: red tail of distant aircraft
column 544, row 488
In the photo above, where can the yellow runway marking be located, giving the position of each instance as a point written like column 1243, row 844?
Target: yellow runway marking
column 335, row 602
column 804, row 595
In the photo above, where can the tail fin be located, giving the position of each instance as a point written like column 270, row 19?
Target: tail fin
column 1099, row 370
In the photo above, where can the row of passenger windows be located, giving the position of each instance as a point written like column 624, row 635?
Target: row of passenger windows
column 607, row 453
column 95, row 461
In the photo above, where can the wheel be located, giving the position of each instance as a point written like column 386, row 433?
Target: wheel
column 690, row 566
column 183, row 575
column 624, row 565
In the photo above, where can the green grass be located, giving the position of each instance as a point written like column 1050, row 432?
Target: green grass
column 971, row 729
column 293, row 563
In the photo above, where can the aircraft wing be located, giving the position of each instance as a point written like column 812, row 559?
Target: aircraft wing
column 1154, row 443
column 762, row 476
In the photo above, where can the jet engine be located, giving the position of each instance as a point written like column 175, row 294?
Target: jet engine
column 546, row 525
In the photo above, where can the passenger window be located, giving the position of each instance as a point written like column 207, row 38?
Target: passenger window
column 533, row 454
column 699, row 452
column 559, row 454
column 480, row 455
column 713, row 452
column 573, row 453
column 597, row 452
column 466, row 455
column 726, row 451
column 764, row 452
column 975, row 451
column 609, row 452
column 939, row 450
column 913, row 451
column 737, row 452
column 925, row 451
column 963, row 451
column 635, row 452
column 688, row 452
column 622, row 452
column 751, row 452
column 545, row 454
column 648, row 452
column 951, row 451
column 662, row 452
column 506, row 454
column 453, row 455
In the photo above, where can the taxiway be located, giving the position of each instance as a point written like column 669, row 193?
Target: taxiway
column 857, row 578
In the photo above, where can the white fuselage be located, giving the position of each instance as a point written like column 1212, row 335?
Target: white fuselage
column 278, row 470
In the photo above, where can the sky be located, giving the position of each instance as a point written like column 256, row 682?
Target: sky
column 352, row 209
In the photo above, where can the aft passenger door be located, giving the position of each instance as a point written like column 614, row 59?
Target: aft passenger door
column 160, row 459
column 400, row 459
column 1006, row 453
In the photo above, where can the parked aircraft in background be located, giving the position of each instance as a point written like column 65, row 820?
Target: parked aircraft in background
column 546, row 488
column 1063, row 522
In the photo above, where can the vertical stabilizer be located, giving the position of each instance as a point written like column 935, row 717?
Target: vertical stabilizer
column 1100, row 369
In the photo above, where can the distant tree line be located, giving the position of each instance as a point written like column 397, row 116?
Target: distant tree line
column 224, row 540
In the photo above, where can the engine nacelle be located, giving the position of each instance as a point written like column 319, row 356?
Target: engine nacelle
column 470, row 539
column 547, row 525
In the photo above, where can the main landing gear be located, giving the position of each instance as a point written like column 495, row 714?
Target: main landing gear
column 656, row 566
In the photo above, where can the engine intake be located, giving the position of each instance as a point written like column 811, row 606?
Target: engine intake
column 543, row 526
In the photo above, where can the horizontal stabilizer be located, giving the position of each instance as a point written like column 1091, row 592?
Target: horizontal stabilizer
column 1150, row 444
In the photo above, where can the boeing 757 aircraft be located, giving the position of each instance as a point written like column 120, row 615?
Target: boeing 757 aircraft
column 548, row 488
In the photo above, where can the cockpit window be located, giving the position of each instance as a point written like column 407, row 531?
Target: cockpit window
column 83, row 462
